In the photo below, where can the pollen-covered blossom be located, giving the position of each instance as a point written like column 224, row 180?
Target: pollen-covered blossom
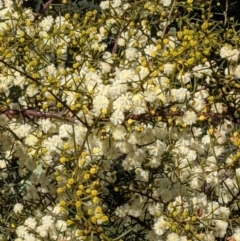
column 21, row 231
column 236, row 234
column 119, row 133
column 60, row 21
column 65, row 131
column 224, row 212
column 3, row 164
column 220, row 228
column 122, row 211
column 199, row 201
column 207, row 68
column 230, row 184
column 135, row 211
column 119, row 87
column 138, row 104
column 30, row 222
column 189, row 117
column 237, row 72
column 29, row 237
column 142, row 175
column 150, row 50
column 104, row 67
column 179, row 95
column 46, row 23
column 123, row 39
column 201, row 93
column 104, row 5
column 139, row 38
column 218, row 150
column 207, row 236
column 185, row 78
column 61, row 225
column 107, row 57
column 155, row 209
column 124, row 75
column 168, row 68
column 32, row 90
column 117, row 117
column 134, row 138
column 131, row 54
column 31, row 140
column 198, row 71
column 47, row 221
column 3, row 120
column 103, row 32
column 217, row 108
column 130, row 162
column 225, row 51
column 47, row 126
column 143, row 72
column 229, row 53
column 123, row 102
column 42, row 231
column 100, row 103
column 175, row 237
column 8, row 4
column 150, row 95
column 4, row 85
column 154, row 162
column 172, row 42
column 52, row 144
column 197, row 103
column 166, row 3
column 18, row 208
column 157, row 149
column 121, row 8
column 196, row 183
column 19, row 80
column 59, row 211
column 225, row 196
column 160, row 226
column 160, row 130
column 23, row 130
column 212, row 177
column 221, row 136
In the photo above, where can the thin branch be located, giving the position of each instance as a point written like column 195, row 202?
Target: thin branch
column 35, row 113
column 115, row 47
column 168, row 18
column 225, row 15
column 45, row 7
column 49, row 91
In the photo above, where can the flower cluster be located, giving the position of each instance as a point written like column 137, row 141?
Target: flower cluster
column 116, row 126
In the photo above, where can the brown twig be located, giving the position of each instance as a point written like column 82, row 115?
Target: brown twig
column 37, row 81
column 168, row 19
column 215, row 117
column 164, row 114
column 45, row 7
column 115, row 47
column 34, row 113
